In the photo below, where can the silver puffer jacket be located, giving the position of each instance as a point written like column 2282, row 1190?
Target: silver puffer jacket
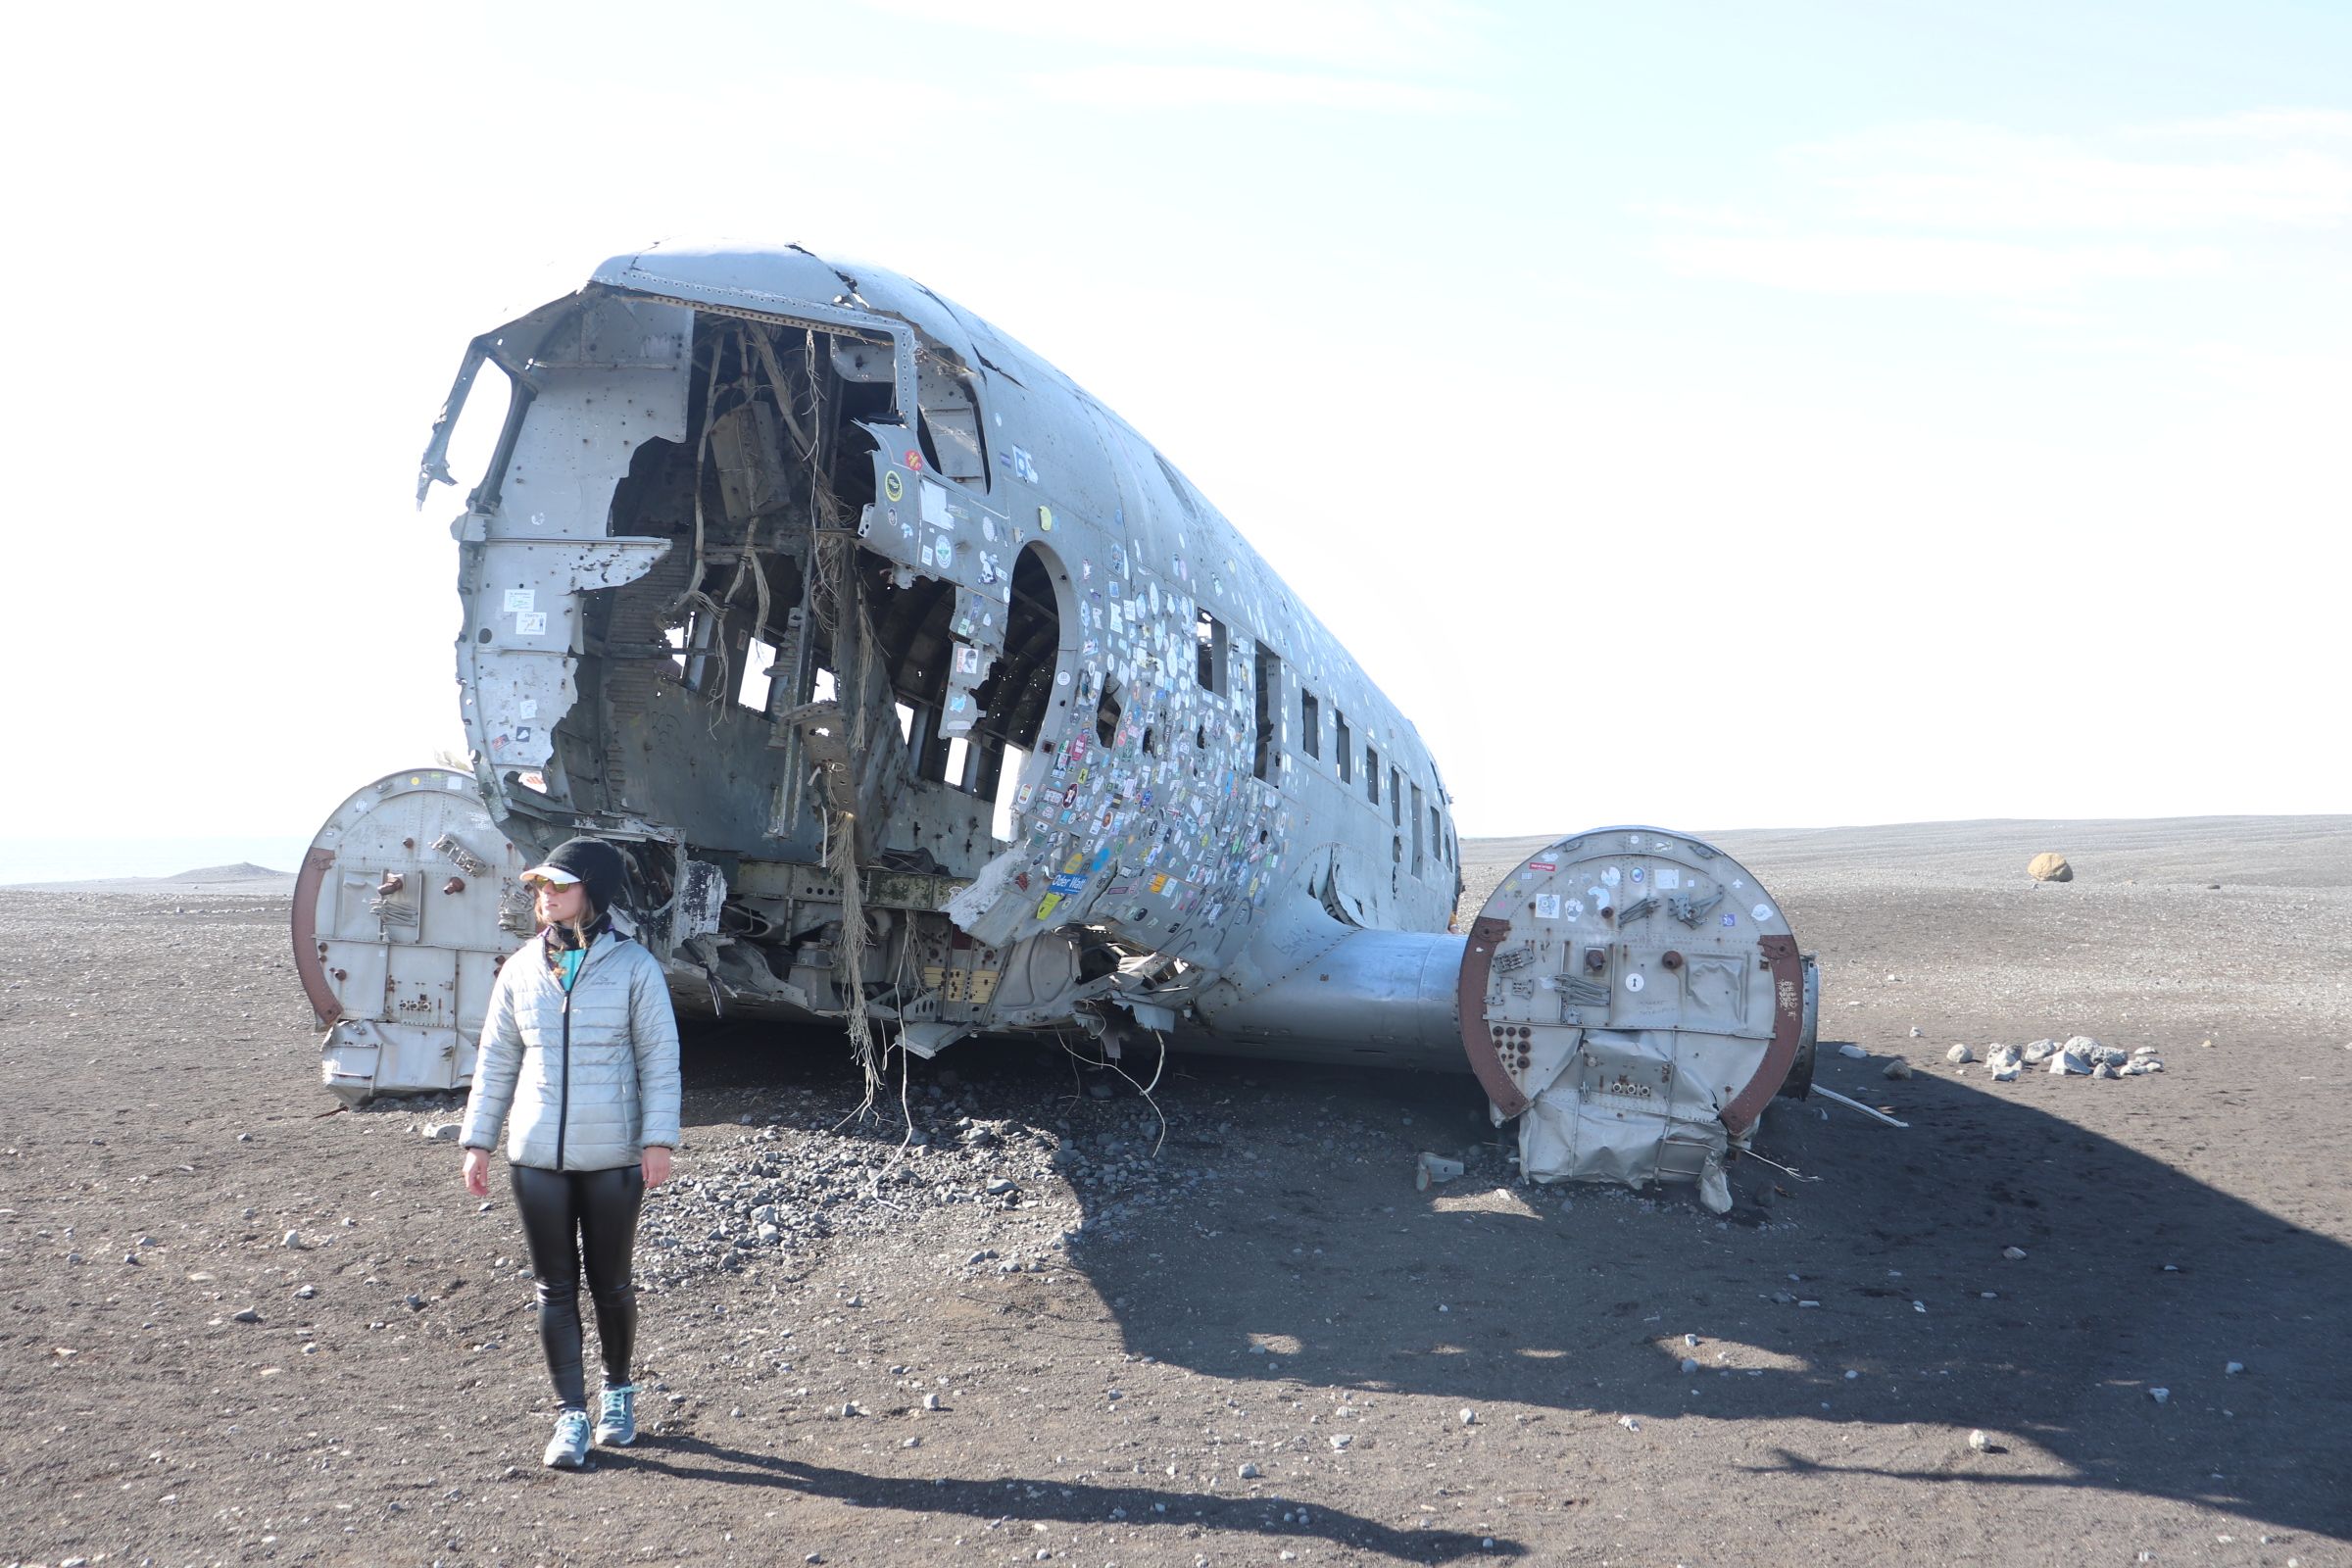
column 580, row 1081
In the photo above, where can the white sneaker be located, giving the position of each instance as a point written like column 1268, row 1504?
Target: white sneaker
column 567, row 1450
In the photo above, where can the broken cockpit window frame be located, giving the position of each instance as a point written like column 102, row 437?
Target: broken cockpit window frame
column 948, row 423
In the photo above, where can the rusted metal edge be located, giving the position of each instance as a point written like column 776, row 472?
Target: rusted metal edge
column 1787, row 1022
column 1470, row 997
column 307, row 961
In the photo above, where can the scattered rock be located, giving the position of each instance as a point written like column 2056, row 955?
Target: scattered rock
column 441, row 1132
column 248, row 1316
column 292, row 1239
column 1689, row 1367
column 1853, row 1052
column 1435, row 1168
column 931, row 1401
column 2049, row 868
column 1342, row 1443
column 2068, row 1062
column 1915, row 1031
column 2160, row 1395
column 1248, row 1471
column 2013, row 1253
column 305, row 1292
column 1897, row 1069
column 2233, row 1368
column 2105, row 1069
column 2037, row 1052
column 1629, row 1423
column 1959, row 1054
column 1469, row 1416
column 1979, row 1441
column 2006, row 1072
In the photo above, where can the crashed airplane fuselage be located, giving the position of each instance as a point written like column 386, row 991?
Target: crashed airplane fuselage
column 928, row 696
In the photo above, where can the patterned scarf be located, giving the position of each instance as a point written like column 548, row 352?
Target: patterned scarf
column 564, row 948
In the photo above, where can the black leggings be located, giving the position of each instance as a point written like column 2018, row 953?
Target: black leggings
column 570, row 1217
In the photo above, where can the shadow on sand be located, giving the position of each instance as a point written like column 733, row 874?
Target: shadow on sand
column 1580, row 1306
column 994, row 1503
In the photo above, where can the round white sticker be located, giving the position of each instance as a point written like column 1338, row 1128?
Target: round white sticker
column 1573, row 910
column 1610, row 876
column 1633, row 982
column 1762, row 912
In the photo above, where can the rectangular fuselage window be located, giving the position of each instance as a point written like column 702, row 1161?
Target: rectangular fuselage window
column 1341, row 744
column 1395, row 798
column 1208, row 634
column 1270, row 712
column 1310, row 724
column 1420, row 869
column 1371, row 776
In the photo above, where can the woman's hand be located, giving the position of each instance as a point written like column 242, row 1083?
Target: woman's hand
column 655, row 1162
column 478, row 1172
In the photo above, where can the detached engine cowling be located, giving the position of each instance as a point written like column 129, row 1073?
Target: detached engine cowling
column 1634, row 998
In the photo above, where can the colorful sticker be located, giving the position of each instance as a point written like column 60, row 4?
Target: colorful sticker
column 532, row 623
column 1045, row 519
column 1573, row 910
column 893, row 486
column 1541, row 865
column 1548, row 906
column 1731, row 919
column 1046, row 904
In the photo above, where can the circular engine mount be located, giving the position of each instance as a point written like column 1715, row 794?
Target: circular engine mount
column 407, row 903
column 1636, row 997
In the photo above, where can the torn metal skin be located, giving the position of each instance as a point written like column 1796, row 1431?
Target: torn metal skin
column 786, row 572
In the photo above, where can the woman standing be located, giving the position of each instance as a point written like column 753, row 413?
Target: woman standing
column 579, row 1065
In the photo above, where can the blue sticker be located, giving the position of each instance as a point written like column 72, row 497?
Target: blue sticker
column 1731, row 919
column 1069, row 883
column 1637, row 873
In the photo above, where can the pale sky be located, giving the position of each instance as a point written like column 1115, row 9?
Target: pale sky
column 1714, row 416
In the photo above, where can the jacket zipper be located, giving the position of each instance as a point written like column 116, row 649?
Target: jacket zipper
column 563, row 1097
column 563, row 1094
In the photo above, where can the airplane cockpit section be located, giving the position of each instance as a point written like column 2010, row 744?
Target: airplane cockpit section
column 924, row 694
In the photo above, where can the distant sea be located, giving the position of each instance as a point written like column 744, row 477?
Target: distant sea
column 85, row 859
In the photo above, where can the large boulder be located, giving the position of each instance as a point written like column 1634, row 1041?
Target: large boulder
column 2048, row 867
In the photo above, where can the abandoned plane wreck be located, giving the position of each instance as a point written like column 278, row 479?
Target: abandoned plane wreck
column 930, row 700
